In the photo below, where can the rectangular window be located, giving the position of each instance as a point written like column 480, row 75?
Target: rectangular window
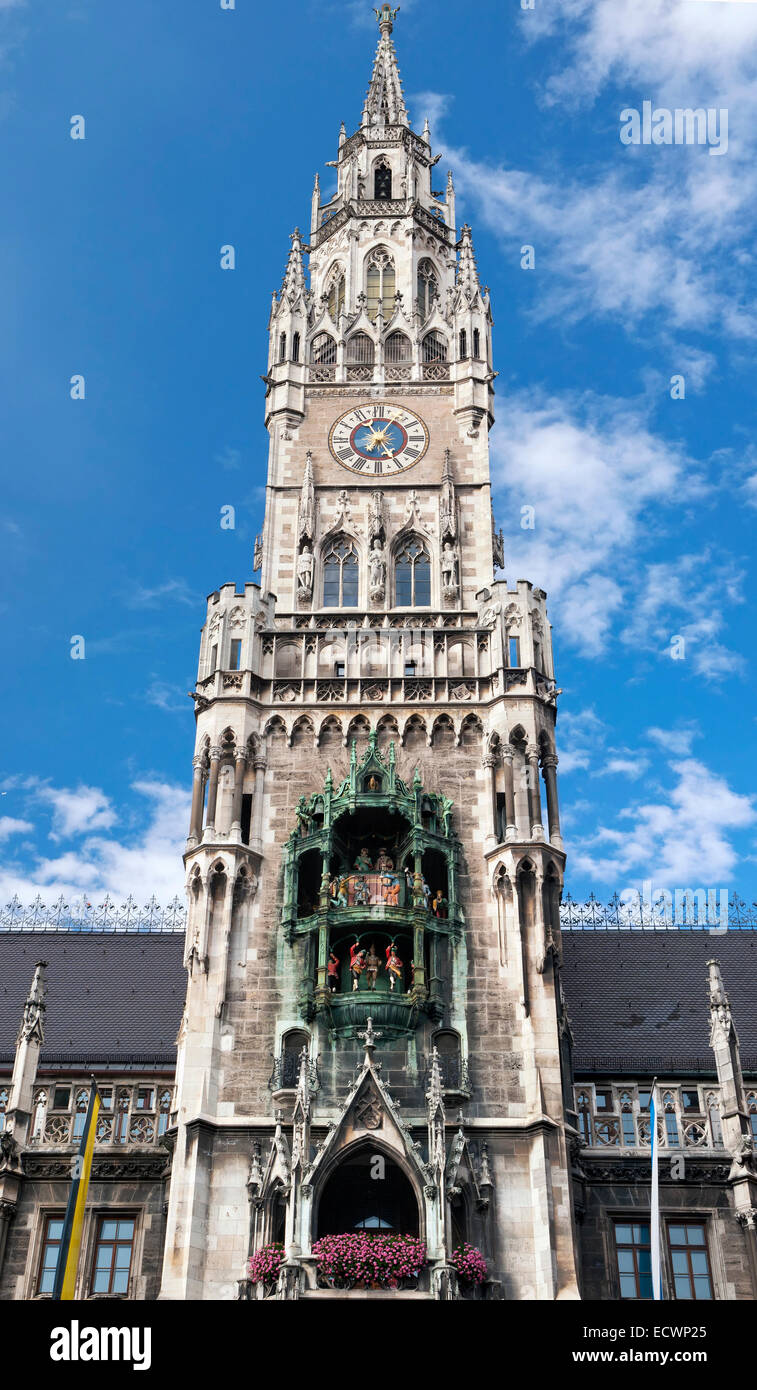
column 629, row 1129
column 214, row 658
column 634, row 1256
column 48, row 1258
column 689, row 1260
column 145, row 1098
column 61, row 1097
column 602, row 1101
column 114, row 1248
column 235, row 656
column 671, row 1130
column 339, row 670
column 411, row 668
column 513, row 650
column 404, row 585
column 691, row 1102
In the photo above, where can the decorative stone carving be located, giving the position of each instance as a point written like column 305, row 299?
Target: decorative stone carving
column 450, row 572
column 377, row 571
column 305, row 574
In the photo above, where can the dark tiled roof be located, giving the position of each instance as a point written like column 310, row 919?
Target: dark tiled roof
column 636, row 996
column 108, row 994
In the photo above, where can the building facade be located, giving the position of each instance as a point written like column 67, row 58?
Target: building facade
column 374, row 1035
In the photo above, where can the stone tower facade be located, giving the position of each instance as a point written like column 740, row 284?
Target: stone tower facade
column 374, row 863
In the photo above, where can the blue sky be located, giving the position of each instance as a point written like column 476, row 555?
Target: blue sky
column 205, row 127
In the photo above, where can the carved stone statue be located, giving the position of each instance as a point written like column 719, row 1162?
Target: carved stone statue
column 372, row 963
column 449, row 568
column 305, row 573
column 377, row 569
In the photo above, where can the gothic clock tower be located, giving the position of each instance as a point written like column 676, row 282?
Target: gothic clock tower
column 373, row 866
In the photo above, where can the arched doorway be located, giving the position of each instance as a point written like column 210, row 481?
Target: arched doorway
column 368, row 1191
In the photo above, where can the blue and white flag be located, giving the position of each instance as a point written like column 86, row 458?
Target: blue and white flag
column 655, row 1196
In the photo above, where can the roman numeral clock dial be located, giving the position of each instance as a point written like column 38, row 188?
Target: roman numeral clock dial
column 378, row 440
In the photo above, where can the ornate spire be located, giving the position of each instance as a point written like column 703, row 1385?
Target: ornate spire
column 467, row 272
column 385, row 103
column 34, row 1008
column 447, row 503
column 293, row 283
column 370, row 1039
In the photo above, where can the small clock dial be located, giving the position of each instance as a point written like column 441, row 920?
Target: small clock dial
column 378, row 439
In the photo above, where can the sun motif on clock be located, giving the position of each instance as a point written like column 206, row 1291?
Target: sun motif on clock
column 378, row 439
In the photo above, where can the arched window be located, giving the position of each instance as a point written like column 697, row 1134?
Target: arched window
column 397, row 348
column 380, row 283
column 296, row 347
column 323, row 350
column 476, row 343
column 447, row 1045
column 360, row 350
column 282, row 347
column 3, row 1107
column 434, row 348
column 428, row 288
column 460, row 661
column 463, row 348
column 382, row 180
column 164, row 1107
column 336, row 294
column 340, row 574
column 291, row 1053
column 412, row 575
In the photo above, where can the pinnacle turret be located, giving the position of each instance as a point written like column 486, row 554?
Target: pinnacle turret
column 385, row 102
column 467, row 271
column 293, row 283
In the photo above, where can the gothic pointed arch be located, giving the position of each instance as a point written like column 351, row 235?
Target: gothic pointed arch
column 380, row 282
column 411, row 568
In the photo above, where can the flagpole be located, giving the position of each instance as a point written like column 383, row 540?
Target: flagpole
column 654, row 1201
column 64, row 1287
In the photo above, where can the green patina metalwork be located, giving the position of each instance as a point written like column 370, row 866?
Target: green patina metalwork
column 321, row 851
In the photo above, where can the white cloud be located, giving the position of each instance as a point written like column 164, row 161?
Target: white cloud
column 176, row 590
column 687, row 598
column 677, row 741
column 684, row 839
column 598, row 480
column 142, row 863
column 76, row 810
column 10, row 825
column 166, row 697
column 620, row 766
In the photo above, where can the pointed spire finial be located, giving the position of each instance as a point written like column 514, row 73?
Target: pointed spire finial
column 426, row 131
column 294, row 276
column 385, row 102
column 720, row 1008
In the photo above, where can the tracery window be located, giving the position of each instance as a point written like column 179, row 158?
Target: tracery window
column 336, row 295
column 282, row 347
column 463, row 347
column 412, row 575
column 434, row 348
column 427, row 291
column 398, row 348
column 165, row 1111
column 382, row 180
column 751, row 1102
column 476, row 343
column 296, row 347
column 80, row 1112
column 380, row 283
column 360, row 350
column 323, row 350
column 340, row 574
column 3, row 1108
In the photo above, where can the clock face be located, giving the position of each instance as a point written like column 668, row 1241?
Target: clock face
column 378, row 439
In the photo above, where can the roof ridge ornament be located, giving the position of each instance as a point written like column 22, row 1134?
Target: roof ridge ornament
column 385, row 102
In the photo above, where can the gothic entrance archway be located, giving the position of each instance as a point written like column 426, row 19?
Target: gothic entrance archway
column 368, row 1191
